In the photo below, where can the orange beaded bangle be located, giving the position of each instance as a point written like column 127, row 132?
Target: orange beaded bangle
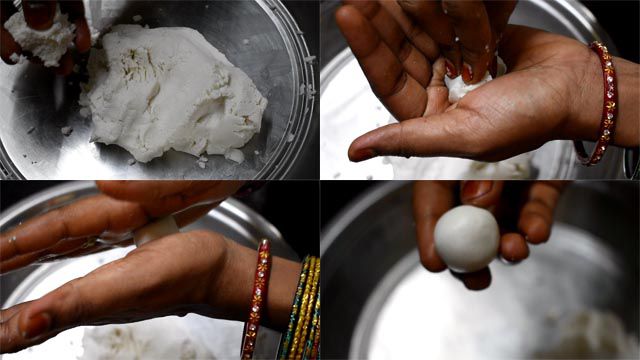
column 260, row 286
column 609, row 110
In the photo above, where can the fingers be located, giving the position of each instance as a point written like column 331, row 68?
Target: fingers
column 39, row 14
column 412, row 60
column 403, row 95
column 75, row 10
column 164, row 197
column 8, row 46
column 513, row 247
column 471, row 24
column 483, row 193
column 477, row 280
column 65, row 66
column 536, row 216
column 431, row 199
column 499, row 12
column 452, row 133
column 83, row 35
column 157, row 280
column 434, row 22
column 93, row 216
column 416, row 36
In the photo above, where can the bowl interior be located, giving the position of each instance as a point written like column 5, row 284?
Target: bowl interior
column 256, row 36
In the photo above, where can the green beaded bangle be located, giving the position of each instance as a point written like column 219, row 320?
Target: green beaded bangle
column 286, row 339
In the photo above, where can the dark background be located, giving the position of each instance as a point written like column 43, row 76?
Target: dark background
column 620, row 19
column 276, row 201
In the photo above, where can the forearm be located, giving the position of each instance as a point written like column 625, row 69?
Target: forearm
column 238, row 287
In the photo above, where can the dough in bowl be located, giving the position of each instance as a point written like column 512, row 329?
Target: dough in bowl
column 151, row 90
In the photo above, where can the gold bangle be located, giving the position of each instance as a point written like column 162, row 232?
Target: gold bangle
column 309, row 312
column 303, row 308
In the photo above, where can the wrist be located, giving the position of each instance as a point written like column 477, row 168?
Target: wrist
column 232, row 294
column 586, row 114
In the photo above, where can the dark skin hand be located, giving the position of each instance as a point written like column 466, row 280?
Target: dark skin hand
column 553, row 90
column 476, row 25
column 524, row 211
column 39, row 16
column 112, row 217
column 195, row 272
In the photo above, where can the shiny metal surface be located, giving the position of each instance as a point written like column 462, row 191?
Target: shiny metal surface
column 232, row 219
column 349, row 108
column 276, row 58
column 377, row 295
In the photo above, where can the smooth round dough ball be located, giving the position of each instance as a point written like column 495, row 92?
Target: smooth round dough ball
column 467, row 238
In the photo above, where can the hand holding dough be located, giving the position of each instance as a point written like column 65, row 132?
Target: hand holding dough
column 467, row 238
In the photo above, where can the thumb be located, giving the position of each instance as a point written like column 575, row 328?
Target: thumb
column 452, row 133
column 482, row 193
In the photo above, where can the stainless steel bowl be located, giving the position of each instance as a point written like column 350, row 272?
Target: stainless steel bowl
column 232, row 219
column 375, row 288
column 35, row 105
column 349, row 107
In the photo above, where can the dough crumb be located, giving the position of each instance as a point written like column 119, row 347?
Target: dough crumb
column 202, row 164
column 131, row 161
column 18, row 59
column 66, row 130
column 31, row 129
column 245, row 41
column 136, row 18
column 234, row 155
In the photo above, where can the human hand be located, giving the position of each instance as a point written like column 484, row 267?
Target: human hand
column 39, row 16
column 524, row 211
column 195, row 272
column 100, row 222
column 467, row 32
column 553, row 91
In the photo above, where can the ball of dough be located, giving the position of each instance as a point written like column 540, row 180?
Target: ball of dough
column 467, row 238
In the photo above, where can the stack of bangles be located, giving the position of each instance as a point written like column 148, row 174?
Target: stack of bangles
column 302, row 338
column 609, row 109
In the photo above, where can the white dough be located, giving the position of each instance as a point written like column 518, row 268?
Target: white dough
column 593, row 334
column 458, row 89
column 155, row 230
column 49, row 45
column 467, row 238
column 162, row 338
column 151, row 90
column 416, row 168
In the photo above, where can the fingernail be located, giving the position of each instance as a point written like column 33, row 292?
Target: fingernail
column 451, row 70
column 363, row 154
column 475, row 189
column 467, row 73
column 38, row 324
